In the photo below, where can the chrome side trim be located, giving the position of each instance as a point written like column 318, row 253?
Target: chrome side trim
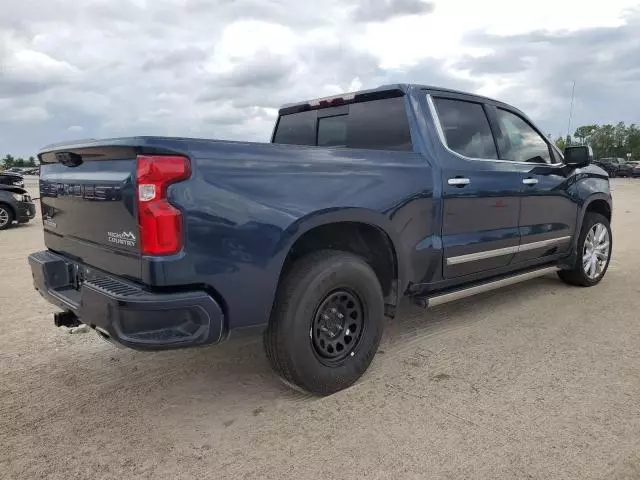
column 443, row 140
column 472, row 257
column 543, row 243
column 487, row 287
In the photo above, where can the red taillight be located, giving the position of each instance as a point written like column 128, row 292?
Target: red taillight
column 160, row 223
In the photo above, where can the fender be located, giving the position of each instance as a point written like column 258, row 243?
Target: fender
column 583, row 211
column 568, row 261
column 352, row 215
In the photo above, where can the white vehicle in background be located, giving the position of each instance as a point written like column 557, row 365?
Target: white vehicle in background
column 24, row 170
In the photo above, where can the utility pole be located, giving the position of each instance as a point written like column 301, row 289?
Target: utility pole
column 573, row 92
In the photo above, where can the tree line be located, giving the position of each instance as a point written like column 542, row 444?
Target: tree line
column 9, row 161
column 607, row 141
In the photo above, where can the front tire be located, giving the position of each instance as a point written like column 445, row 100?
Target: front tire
column 6, row 217
column 593, row 252
column 327, row 322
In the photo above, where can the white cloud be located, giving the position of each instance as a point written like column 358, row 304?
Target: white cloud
column 220, row 68
column 27, row 114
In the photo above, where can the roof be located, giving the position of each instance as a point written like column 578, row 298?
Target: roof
column 400, row 88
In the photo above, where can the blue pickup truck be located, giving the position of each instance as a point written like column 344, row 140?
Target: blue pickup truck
column 359, row 200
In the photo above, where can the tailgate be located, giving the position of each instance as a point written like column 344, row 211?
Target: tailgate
column 89, row 207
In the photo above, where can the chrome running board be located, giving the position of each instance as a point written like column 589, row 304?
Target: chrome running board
column 487, row 287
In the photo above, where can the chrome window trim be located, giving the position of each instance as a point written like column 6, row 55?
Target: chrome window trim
column 436, row 120
column 499, row 252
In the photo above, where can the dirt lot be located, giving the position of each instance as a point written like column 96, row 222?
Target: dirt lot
column 539, row 380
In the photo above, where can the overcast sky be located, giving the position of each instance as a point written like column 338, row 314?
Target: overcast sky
column 220, row 68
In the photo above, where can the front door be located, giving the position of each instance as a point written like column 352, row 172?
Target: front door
column 481, row 195
column 548, row 214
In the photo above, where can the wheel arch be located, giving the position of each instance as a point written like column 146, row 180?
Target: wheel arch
column 356, row 230
column 601, row 206
column 599, row 203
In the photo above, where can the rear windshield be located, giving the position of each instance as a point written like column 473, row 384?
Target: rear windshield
column 376, row 125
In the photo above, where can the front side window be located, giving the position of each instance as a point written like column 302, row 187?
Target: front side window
column 519, row 141
column 466, row 128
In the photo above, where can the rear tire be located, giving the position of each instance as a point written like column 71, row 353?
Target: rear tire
column 592, row 257
column 6, row 217
column 327, row 322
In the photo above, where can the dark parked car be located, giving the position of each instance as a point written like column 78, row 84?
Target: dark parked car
column 360, row 200
column 615, row 167
column 635, row 168
column 12, row 179
column 15, row 205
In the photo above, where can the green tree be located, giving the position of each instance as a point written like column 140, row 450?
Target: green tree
column 561, row 143
column 633, row 141
column 8, row 161
column 620, row 133
column 31, row 162
column 585, row 133
column 603, row 141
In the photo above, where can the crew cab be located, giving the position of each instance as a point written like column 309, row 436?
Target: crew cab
column 359, row 200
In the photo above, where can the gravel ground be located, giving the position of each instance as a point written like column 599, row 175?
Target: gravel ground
column 539, row 380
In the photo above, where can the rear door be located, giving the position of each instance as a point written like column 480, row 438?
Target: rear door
column 548, row 214
column 88, row 207
column 481, row 194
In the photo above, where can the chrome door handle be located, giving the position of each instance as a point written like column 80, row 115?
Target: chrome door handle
column 459, row 181
column 530, row 181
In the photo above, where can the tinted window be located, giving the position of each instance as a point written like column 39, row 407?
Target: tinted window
column 466, row 128
column 379, row 125
column 332, row 131
column 376, row 125
column 297, row 129
column 519, row 141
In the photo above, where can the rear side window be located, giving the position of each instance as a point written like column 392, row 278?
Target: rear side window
column 466, row 128
column 375, row 125
column 379, row 125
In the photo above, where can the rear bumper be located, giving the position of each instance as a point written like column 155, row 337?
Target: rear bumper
column 125, row 312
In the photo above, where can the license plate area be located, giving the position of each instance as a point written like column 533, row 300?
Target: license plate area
column 78, row 275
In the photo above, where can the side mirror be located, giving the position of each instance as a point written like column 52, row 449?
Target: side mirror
column 578, row 156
